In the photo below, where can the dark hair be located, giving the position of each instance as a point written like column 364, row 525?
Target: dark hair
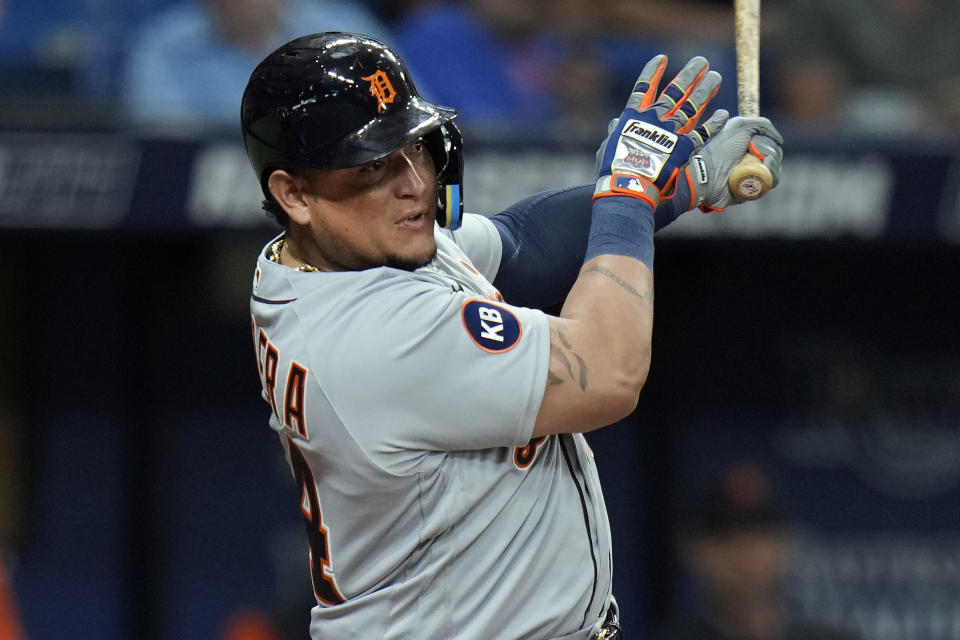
column 271, row 206
column 275, row 211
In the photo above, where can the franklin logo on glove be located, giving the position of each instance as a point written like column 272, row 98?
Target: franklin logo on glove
column 654, row 136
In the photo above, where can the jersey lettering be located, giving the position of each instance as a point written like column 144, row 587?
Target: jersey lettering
column 270, row 377
column 524, row 456
column 294, row 412
column 293, row 400
column 324, row 584
column 261, row 346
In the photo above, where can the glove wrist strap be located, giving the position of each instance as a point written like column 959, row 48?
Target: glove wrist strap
column 625, row 184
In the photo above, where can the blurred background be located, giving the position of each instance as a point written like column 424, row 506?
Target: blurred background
column 793, row 469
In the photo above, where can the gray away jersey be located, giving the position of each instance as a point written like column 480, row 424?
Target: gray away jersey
column 405, row 403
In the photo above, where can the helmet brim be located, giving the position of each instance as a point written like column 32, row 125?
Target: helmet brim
column 383, row 135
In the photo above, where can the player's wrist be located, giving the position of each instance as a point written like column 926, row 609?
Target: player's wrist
column 621, row 225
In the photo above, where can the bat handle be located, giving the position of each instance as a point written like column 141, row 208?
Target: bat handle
column 750, row 179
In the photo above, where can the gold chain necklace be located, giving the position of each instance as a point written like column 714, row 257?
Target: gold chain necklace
column 278, row 246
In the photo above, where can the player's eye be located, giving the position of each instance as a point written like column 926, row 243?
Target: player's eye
column 374, row 166
column 418, row 146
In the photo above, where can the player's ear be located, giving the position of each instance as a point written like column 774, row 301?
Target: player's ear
column 290, row 193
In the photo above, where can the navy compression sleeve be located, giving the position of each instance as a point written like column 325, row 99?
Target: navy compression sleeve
column 544, row 241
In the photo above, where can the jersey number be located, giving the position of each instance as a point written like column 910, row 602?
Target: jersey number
column 324, row 585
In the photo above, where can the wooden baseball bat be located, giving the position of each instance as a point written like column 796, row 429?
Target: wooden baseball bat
column 749, row 179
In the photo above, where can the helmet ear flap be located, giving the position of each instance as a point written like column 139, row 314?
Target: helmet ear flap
column 450, row 206
column 445, row 145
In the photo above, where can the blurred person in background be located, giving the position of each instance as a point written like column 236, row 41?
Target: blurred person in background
column 554, row 62
column 637, row 29
column 736, row 550
column 504, row 62
column 187, row 67
column 487, row 55
column 45, row 52
column 889, row 66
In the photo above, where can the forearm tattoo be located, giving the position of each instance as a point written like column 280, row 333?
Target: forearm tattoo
column 646, row 296
column 561, row 350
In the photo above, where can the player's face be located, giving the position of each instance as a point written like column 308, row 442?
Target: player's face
column 378, row 214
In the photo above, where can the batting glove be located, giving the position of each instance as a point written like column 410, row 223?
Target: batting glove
column 655, row 135
column 704, row 181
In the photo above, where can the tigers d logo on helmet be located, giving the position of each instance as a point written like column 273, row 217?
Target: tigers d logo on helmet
column 381, row 89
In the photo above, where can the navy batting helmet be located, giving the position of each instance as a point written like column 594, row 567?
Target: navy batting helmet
column 336, row 100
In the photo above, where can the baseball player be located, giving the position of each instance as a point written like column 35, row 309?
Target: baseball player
column 431, row 414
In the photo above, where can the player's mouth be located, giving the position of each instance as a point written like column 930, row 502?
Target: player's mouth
column 415, row 221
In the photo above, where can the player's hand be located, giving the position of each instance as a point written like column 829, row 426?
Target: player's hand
column 704, row 181
column 656, row 134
